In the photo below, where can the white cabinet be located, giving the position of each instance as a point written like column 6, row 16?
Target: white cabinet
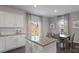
column 21, row 40
column 11, row 42
column 51, row 48
column 2, row 44
column 20, row 20
column 28, row 46
column 2, row 20
column 33, row 47
column 37, row 48
column 8, row 19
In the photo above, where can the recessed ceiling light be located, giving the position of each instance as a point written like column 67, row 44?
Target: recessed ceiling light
column 55, row 11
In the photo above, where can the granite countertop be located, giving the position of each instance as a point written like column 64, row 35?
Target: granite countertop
column 44, row 41
column 12, row 34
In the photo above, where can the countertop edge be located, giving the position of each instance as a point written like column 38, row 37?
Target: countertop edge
column 41, row 44
column 12, row 35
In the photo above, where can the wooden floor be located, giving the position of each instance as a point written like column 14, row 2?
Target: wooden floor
column 59, row 50
column 68, row 50
column 17, row 50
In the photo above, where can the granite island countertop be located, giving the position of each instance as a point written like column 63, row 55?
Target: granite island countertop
column 44, row 41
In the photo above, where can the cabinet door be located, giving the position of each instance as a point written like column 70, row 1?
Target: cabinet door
column 10, row 20
column 2, row 21
column 2, row 44
column 37, row 48
column 21, row 40
column 28, row 46
column 11, row 42
column 20, row 20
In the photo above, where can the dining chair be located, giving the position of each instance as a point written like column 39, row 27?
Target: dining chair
column 74, row 47
column 59, row 43
column 70, row 42
column 72, row 39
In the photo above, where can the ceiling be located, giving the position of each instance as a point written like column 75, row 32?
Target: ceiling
column 48, row 10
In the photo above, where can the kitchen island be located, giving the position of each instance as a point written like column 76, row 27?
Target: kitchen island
column 44, row 45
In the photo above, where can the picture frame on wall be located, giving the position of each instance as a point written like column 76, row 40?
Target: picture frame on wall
column 51, row 26
column 76, row 24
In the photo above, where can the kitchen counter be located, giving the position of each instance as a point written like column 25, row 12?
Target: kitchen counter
column 11, row 41
column 12, row 34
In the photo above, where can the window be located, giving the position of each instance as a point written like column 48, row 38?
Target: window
column 35, row 29
column 61, row 24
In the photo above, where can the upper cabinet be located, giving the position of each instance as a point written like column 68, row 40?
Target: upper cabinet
column 19, row 20
column 2, row 19
column 11, row 19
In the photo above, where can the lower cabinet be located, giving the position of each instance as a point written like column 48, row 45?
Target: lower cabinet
column 31, row 47
column 21, row 41
column 28, row 46
column 11, row 42
column 2, row 44
column 37, row 48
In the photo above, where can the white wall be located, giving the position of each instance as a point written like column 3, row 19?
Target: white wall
column 73, row 17
column 54, row 21
column 45, row 25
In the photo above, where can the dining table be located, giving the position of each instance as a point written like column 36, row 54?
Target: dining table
column 64, row 38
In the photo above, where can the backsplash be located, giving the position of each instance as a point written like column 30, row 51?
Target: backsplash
column 9, row 29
